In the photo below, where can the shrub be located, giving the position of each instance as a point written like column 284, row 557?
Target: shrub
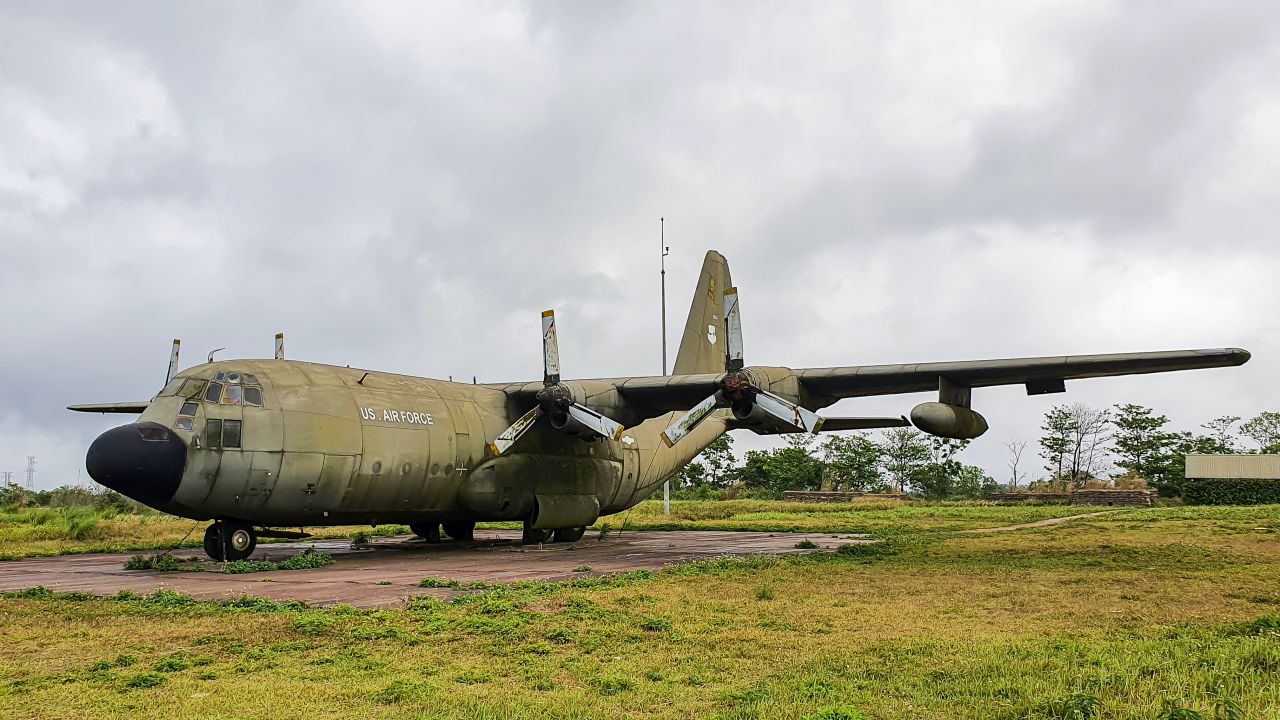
column 807, row 544
column 837, row 713
column 144, row 680
column 240, row 567
column 1231, row 491
column 309, row 558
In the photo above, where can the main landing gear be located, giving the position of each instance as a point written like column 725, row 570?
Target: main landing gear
column 229, row 541
column 429, row 531
column 537, row 536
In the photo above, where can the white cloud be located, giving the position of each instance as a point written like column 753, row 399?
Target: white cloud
column 405, row 186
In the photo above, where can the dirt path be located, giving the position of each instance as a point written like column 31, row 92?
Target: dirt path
column 1038, row 523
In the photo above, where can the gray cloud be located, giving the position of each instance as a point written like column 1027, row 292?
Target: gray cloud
column 406, row 186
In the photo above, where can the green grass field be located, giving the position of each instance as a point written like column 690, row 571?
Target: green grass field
column 28, row 532
column 1136, row 614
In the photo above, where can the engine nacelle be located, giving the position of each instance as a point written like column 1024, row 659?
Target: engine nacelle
column 948, row 421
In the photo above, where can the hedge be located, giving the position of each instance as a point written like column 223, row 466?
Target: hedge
column 1221, row 491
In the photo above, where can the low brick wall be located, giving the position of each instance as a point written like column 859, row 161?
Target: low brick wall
column 810, row 496
column 1118, row 498
column 1023, row 497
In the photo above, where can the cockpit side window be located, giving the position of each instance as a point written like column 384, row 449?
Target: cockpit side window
column 171, row 388
column 213, row 433
column 192, row 388
column 230, row 433
column 252, row 395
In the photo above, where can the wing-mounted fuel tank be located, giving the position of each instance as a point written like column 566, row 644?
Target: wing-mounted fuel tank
column 951, row 416
column 555, row 491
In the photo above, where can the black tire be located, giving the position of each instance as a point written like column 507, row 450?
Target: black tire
column 534, row 536
column 240, row 541
column 211, row 542
column 461, row 531
column 228, row 542
column 429, row 531
column 570, row 534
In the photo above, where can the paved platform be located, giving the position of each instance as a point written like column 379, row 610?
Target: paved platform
column 386, row 572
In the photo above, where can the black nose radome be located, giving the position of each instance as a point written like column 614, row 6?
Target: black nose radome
column 142, row 460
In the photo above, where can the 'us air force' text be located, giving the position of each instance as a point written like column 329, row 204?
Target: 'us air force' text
column 400, row 416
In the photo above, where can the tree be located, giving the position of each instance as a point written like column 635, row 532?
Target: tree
column 1015, row 447
column 936, row 478
column 1142, row 445
column 1055, row 444
column 1090, row 430
column 1220, row 432
column 851, row 463
column 903, row 452
column 971, row 482
column 719, row 461
column 1263, row 430
column 769, row 474
column 1073, row 442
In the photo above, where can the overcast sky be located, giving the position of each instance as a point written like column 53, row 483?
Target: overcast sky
column 406, row 186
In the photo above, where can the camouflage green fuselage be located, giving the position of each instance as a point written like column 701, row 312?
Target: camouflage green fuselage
column 334, row 446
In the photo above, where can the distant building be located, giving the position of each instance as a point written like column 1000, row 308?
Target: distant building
column 1233, row 467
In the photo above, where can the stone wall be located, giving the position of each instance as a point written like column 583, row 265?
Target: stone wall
column 1046, row 497
column 1118, row 498
column 1105, row 498
column 835, row 497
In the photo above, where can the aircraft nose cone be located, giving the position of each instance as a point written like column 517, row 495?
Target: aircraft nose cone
column 142, row 460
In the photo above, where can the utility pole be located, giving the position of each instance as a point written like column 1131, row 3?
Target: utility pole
column 662, row 241
column 31, row 472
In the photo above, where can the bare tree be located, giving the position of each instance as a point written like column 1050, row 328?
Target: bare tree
column 1015, row 452
column 1090, row 431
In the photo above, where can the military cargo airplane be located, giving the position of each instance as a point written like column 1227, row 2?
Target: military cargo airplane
column 261, row 445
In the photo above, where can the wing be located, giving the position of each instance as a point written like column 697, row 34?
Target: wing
column 131, row 408
column 1039, row 374
column 651, row 396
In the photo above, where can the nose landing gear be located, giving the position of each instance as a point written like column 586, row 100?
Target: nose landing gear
column 229, row 541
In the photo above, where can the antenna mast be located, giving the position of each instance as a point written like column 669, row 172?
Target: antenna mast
column 662, row 242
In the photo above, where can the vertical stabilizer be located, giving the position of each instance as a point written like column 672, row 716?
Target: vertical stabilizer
column 702, row 347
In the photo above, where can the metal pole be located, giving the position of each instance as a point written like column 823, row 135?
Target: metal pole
column 662, row 241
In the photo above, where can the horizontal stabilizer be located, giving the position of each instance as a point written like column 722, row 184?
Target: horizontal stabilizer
column 128, row 408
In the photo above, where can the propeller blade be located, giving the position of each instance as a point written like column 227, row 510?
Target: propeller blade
column 788, row 412
column 733, row 327
column 687, row 422
column 597, row 423
column 508, row 437
column 279, row 346
column 173, row 361
column 550, row 349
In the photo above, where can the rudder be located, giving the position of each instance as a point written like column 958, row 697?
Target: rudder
column 702, row 345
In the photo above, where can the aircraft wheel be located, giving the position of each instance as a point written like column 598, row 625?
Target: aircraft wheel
column 427, row 531
column 211, row 542
column 228, row 542
column 463, row 531
column 534, row 536
column 570, row 534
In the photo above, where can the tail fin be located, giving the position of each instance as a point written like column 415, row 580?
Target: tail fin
column 702, row 346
